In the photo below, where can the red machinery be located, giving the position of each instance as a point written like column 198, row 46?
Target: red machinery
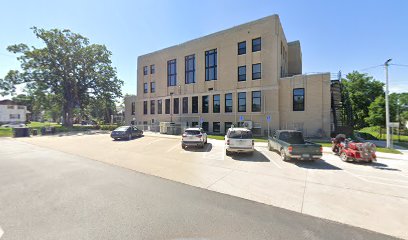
column 353, row 151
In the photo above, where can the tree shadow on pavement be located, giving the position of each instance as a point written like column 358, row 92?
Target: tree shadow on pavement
column 256, row 156
column 318, row 164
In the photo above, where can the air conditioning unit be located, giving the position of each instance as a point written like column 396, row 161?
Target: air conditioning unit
column 247, row 124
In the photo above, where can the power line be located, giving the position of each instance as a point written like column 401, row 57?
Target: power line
column 364, row 69
column 400, row 65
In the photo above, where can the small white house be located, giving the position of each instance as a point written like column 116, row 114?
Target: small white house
column 12, row 112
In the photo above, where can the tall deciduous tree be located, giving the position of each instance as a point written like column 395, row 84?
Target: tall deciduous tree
column 376, row 112
column 362, row 90
column 68, row 67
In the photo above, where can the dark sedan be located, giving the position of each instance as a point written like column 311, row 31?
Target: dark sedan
column 126, row 132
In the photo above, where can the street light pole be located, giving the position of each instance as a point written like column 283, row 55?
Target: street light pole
column 387, row 110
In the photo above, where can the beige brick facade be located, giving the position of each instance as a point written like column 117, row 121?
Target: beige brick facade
column 277, row 58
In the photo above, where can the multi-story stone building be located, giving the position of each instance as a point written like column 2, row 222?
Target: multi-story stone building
column 248, row 74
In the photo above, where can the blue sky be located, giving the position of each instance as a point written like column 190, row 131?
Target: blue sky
column 335, row 35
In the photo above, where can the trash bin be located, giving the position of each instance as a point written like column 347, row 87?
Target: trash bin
column 43, row 131
column 35, row 131
column 21, row 132
column 53, row 130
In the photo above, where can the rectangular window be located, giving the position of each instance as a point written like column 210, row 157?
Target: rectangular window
column 256, row 101
column 256, row 71
column 176, row 105
column 242, row 73
column 194, row 124
column 159, row 106
column 145, row 88
column 227, row 125
column 133, row 108
column 242, row 102
column 216, row 127
column 145, row 107
column 216, row 103
column 145, row 70
column 20, row 107
column 10, row 107
column 185, row 104
column 228, row 102
column 194, row 104
column 204, row 104
column 152, row 87
column 152, row 69
column 211, row 65
column 298, row 99
column 152, row 107
column 242, row 48
column 167, row 106
column 172, row 72
column 205, row 126
column 14, row 116
column 256, row 44
column 190, row 69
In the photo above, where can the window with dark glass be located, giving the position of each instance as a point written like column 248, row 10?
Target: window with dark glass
column 242, row 73
column 152, row 69
column 190, row 69
column 172, row 72
column 242, row 48
column 204, row 104
column 227, row 125
column 256, row 71
column 194, row 124
column 185, row 104
column 256, row 101
column 144, row 107
column 228, row 102
column 152, row 107
column 145, row 88
column 211, row 65
column 176, row 105
column 216, row 127
column 145, row 70
column 133, row 108
column 205, row 126
column 298, row 99
column 216, row 103
column 167, row 106
column 194, row 104
column 152, row 87
column 256, row 44
column 242, row 102
column 159, row 106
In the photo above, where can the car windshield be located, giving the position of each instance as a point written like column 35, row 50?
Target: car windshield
column 292, row 137
column 240, row 134
column 121, row 128
column 192, row 132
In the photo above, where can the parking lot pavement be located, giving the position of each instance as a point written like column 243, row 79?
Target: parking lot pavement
column 372, row 196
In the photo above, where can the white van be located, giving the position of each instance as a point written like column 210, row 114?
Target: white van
column 239, row 140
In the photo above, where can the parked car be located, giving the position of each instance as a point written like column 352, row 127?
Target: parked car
column 126, row 132
column 13, row 125
column 194, row 137
column 239, row 140
column 291, row 144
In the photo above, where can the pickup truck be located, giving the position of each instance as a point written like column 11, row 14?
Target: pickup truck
column 291, row 145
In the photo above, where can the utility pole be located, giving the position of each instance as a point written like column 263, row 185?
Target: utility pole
column 387, row 110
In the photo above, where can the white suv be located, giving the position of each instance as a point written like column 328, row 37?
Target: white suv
column 239, row 140
column 194, row 137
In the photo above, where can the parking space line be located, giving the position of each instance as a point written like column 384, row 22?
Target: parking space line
column 1, row 232
column 172, row 148
column 263, row 152
column 374, row 182
column 154, row 141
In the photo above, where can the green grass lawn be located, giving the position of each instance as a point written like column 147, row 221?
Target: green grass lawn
column 375, row 131
column 219, row 137
column 5, row 132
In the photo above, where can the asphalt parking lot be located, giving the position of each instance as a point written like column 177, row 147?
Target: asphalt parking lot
column 372, row 196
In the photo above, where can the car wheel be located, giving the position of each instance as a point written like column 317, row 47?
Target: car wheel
column 205, row 141
column 344, row 157
column 183, row 146
column 227, row 153
column 283, row 155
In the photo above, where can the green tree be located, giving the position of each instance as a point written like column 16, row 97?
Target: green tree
column 376, row 112
column 68, row 67
column 361, row 90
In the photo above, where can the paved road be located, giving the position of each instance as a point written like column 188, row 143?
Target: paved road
column 47, row 194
